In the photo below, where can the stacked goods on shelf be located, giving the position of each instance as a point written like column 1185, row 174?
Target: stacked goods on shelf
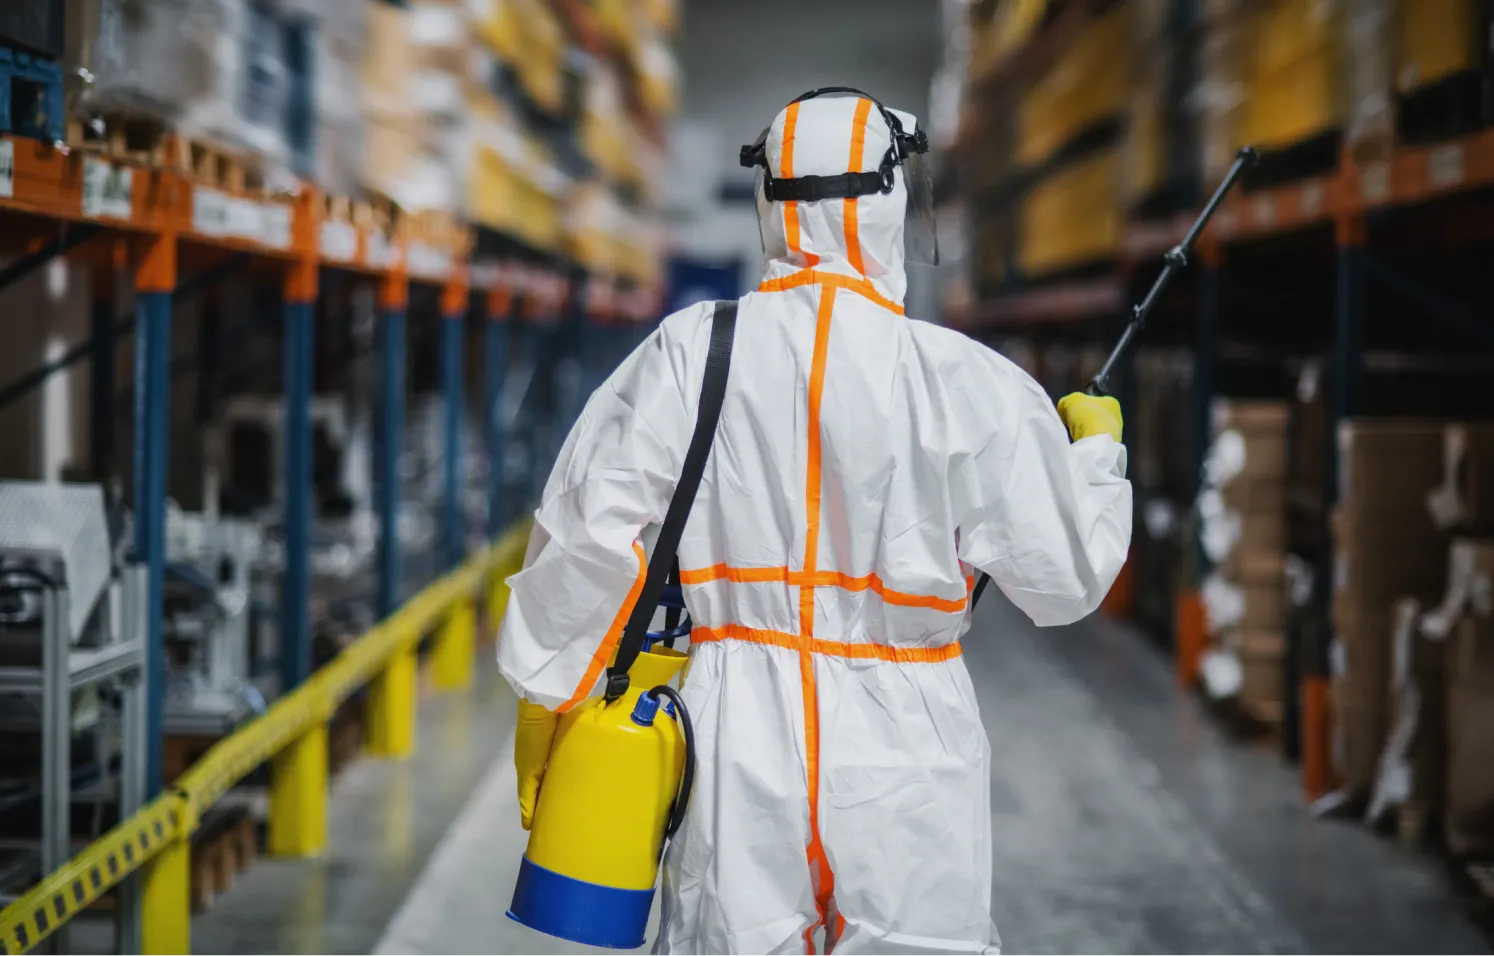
column 1436, row 689
column 1413, row 71
column 1083, row 92
column 1271, row 78
column 1469, row 809
column 1369, row 77
column 515, row 187
column 1065, row 144
column 213, row 71
column 1243, row 515
column 994, row 223
column 1386, row 547
column 441, row 64
column 391, row 124
column 1158, row 155
column 340, row 44
column 1003, row 32
column 1442, row 61
column 530, row 44
column 1070, row 219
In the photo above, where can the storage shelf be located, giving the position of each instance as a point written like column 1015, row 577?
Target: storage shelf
column 84, row 187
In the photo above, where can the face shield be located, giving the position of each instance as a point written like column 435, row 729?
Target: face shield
column 904, row 165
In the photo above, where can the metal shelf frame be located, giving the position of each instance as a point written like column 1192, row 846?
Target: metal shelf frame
column 143, row 225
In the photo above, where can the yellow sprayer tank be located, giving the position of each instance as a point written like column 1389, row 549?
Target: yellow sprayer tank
column 608, row 796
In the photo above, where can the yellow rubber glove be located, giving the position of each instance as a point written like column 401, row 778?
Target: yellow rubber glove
column 1087, row 415
column 532, row 739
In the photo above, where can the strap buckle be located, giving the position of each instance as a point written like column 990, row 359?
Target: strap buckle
column 617, row 685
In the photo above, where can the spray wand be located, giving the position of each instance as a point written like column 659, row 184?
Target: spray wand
column 1174, row 262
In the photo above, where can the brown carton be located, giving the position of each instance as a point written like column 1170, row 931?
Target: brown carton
column 1265, row 606
column 1248, row 495
column 1388, row 465
column 1262, row 533
column 1380, row 558
column 1261, row 655
column 1470, row 725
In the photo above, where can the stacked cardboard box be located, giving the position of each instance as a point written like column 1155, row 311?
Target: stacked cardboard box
column 1386, row 547
column 1253, row 492
column 1469, row 811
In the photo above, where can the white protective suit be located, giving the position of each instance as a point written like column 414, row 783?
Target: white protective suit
column 864, row 466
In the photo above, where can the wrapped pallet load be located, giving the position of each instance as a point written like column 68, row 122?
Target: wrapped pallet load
column 391, row 129
column 141, row 57
column 1432, row 651
column 1243, row 527
column 340, row 46
column 1386, row 547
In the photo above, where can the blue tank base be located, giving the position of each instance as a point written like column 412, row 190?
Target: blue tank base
column 577, row 911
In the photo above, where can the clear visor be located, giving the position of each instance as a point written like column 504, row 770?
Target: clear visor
column 920, row 228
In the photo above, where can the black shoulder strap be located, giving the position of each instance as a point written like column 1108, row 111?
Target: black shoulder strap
column 980, row 588
column 712, row 392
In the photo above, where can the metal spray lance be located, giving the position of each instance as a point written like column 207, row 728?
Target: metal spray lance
column 1175, row 261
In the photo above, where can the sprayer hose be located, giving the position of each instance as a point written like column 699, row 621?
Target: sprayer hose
column 687, row 779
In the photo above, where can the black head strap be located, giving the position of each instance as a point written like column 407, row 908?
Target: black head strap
column 845, row 185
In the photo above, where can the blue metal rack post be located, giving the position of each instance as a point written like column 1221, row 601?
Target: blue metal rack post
column 393, row 305
column 295, row 606
column 454, row 307
column 101, row 368
column 495, row 365
column 155, row 280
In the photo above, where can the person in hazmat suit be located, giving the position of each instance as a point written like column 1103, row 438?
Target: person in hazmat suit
column 865, row 468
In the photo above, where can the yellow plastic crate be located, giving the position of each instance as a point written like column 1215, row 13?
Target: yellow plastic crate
column 1435, row 39
column 1292, row 72
column 1071, row 217
column 1083, row 87
column 1144, row 151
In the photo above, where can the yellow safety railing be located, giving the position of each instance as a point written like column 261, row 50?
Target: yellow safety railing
column 292, row 736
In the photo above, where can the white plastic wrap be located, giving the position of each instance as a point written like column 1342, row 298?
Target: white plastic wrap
column 242, row 104
column 1223, row 602
column 146, row 57
column 1369, row 80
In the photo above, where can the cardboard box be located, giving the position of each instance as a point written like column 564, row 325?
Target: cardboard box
column 1388, row 466
column 1265, row 606
column 1248, row 568
column 388, row 62
column 1262, row 425
column 1377, row 559
column 1364, row 636
column 1261, row 653
column 1251, row 418
column 1470, row 726
column 1359, row 738
column 1251, row 495
column 1262, row 533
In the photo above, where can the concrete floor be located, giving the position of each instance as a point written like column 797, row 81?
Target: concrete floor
column 1123, row 821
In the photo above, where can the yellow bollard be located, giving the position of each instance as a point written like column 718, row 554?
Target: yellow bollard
column 166, row 900
column 298, row 796
column 455, row 647
column 391, row 708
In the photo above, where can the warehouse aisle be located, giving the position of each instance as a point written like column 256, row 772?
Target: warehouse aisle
column 1122, row 821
